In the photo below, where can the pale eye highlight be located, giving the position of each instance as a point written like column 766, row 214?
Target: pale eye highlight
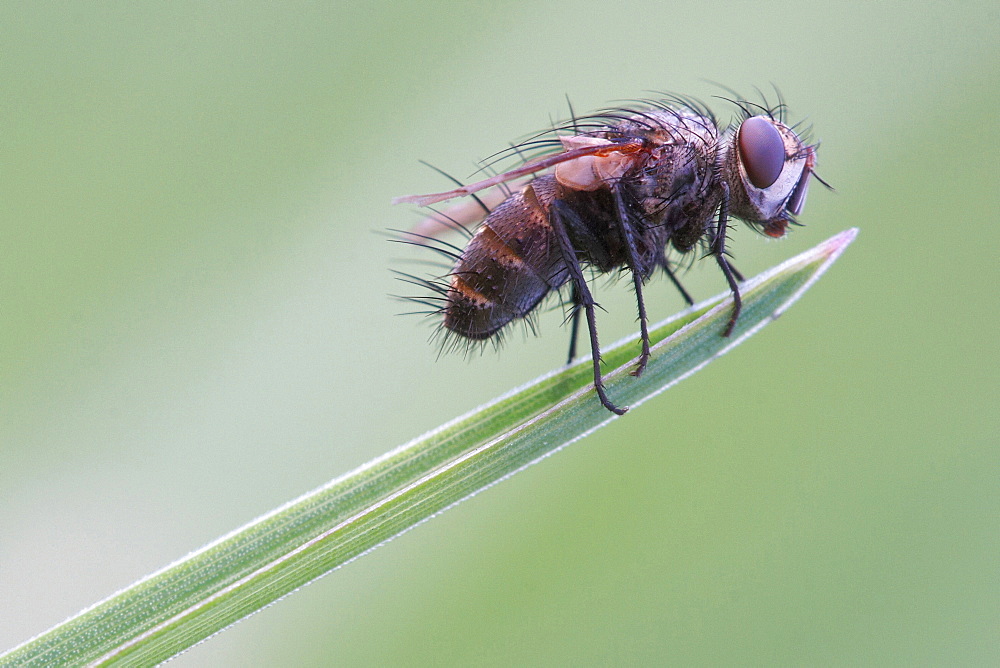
column 762, row 151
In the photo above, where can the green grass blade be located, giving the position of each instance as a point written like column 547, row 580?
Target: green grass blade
column 240, row 573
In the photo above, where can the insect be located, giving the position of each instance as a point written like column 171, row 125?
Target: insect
column 616, row 190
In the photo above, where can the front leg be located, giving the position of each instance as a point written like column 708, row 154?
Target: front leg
column 718, row 249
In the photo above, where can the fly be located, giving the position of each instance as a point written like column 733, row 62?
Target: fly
column 613, row 191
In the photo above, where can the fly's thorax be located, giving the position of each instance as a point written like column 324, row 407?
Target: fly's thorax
column 767, row 168
column 661, row 127
column 678, row 175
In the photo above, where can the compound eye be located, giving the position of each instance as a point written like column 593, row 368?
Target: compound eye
column 762, row 151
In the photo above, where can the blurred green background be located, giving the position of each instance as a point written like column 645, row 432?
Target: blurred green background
column 194, row 328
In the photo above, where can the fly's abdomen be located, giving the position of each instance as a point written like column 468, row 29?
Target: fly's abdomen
column 506, row 269
column 491, row 286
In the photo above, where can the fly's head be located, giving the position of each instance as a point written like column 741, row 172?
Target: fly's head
column 768, row 168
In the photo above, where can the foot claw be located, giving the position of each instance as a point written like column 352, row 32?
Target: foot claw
column 640, row 366
column 607, row 402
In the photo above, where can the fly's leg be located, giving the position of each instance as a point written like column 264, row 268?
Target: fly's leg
column 637, row 271
column 677, row 284
column 574, row 325
column 586, row 300
column 719, row 251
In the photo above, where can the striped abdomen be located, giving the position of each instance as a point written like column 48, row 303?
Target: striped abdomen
column 509, row 266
